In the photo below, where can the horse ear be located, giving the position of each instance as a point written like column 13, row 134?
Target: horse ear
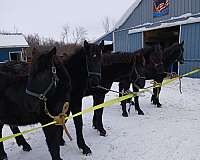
column 53, row 51
column 101, row 45
column 86, row 44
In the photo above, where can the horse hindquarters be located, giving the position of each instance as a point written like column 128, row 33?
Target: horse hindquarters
column 98, row 114
column 75, row 107
column 3, row 155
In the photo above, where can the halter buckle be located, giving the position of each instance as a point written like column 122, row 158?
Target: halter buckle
column 53, row 69
column 42, row 97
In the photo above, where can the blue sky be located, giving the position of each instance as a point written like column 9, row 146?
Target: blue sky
column 47, row 17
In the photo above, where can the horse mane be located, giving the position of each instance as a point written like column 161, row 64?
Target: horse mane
column 123, row 57
column 65, row 53
column 169, row 50
column 166, row 50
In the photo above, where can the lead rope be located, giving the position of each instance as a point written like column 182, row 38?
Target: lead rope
column 60, row 119
column 180, row 85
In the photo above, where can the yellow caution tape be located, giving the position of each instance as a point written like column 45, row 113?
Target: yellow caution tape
column 105, row 104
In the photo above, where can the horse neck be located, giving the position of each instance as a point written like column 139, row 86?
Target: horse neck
column 76, row 64
column 168, row 59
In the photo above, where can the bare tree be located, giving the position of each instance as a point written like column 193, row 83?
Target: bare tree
column 33, row 40
column 15, row 31
column 65, row 33
column 106, row 24
column 79, row 35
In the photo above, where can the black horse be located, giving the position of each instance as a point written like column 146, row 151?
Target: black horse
column 84, row 66
column 31, row 98
column 85, row 71
column 170, row 55
column 119, row 66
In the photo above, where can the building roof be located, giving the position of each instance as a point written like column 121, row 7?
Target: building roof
column 105, row 37
column 187, row 18
column 12, row 40
column 127, row 13
column 120, row 22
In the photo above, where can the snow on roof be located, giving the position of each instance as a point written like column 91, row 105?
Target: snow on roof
column 189, row 20
column 12, row 40
column 127, row 13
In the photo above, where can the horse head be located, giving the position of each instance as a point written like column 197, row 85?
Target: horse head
column 173, row 54
column 46, row 71
column 138, row 71
column 154, row 60
column 93, row 62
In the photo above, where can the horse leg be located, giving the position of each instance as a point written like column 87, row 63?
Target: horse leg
column 94, row 120
column 156, row 93
column 123, row 103
column 98, row 114
column 153, row 97
column 52, row 134
column 20, row 139
column 3, row 155
column 62, row 141
column 136, row 100
column 75, row 108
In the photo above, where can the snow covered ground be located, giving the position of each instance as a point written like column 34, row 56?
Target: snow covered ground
column 168, row 133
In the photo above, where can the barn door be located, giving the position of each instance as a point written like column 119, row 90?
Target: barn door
column 190, row 34
column 135, row 41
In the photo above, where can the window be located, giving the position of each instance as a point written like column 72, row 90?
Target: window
column 15, row 56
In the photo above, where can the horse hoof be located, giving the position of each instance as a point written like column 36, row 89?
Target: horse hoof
column 140, row 112
column 27, row 148
column 62, row 142
column 87, row 151
column 125, row 114
column 159, row 105
column 57, row 159
column 103, row 133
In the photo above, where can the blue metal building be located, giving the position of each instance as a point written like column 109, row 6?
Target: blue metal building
column 12, row 47
column 165, row 21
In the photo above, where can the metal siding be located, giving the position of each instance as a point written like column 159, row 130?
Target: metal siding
column 134, row 41
column 190, row 33
column 144, row 12
column 121, row 41
column 4, row 53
